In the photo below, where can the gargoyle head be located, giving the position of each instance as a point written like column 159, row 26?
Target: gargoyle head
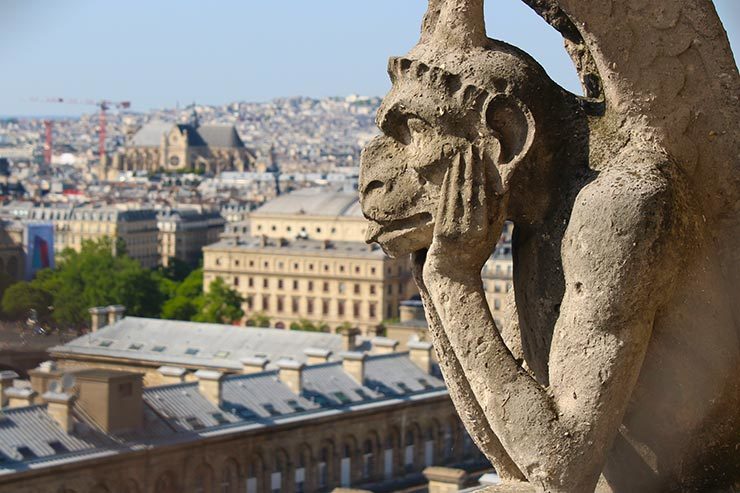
column 456, row 93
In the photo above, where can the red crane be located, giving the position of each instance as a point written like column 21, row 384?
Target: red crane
column 104, row 105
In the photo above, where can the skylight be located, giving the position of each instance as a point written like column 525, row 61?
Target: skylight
column 403, row 387
column 26, row 453
column 194, row 423
column 342, row 397
column 159, row 349
column 105, row 343
column 58, row 447
column 135, row 346
column 271, row 409
column 220, row 418
column 296, row 406
column 191, row 351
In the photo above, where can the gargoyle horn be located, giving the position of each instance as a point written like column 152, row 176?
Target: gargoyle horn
column 454, row 24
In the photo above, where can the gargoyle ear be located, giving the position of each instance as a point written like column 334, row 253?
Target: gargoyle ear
column 512, row 125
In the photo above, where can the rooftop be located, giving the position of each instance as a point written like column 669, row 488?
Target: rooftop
column 192, row 344
column 300, row 246
column 314, row 201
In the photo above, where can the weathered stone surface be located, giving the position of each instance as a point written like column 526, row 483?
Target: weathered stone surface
column 620, row 366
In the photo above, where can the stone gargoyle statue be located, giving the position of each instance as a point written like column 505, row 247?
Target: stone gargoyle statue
column 620, row 369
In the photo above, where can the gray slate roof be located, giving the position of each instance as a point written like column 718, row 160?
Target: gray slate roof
column 302, row 247
column 314, row 201
column 150, row 135
column 180, row 412
column 218, row 346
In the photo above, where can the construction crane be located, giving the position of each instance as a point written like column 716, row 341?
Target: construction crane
column 104, row 105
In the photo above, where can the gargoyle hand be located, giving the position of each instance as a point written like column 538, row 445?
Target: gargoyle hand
column 468, row 218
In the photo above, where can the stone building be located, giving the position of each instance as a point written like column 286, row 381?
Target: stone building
column 160, row 146
column 136, row 229
column 144, row 345
column 367, row 421
column 498, row 280
column 11, row 249
column 184, row 232
column 302, row 256
column 330, row 282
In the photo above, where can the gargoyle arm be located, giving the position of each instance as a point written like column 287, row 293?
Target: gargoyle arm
column 614, row 268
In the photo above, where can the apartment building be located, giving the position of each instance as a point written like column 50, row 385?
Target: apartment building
column 184, row 232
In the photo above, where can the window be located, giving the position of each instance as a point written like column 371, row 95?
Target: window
column 372, row 289
column 404, row 388
column 276, row 479
column 26, row 453
column 280, row 304
column 357, row 269
column 357, row 289
column 280, row 284
column 105, row 343
column 372, row 270
column 135, row 346
column 295, row 285
column 325, row 307
column 342, row 397
column 323, row 471
column 271, row 409
column 236, row 281
column 191, row 351
column 266, row 264
column 296, row 265
column 159, row 349
column 220, row 418
column 310, row 285
column 310, row 266
column 408, row 459
column 58, row 447
column 265, row 303
column 296, row 406
column 341, row 288
column 326, row 267
column 309, row 306
column 346, row 467
column 372, row 310
column 194, row 423
column 326, row 287
column 390, row 289
column 497, row 304
column 356, row 309
column 265, row 283
column 295, row 304
column 341, row 268
column 368, row 465
column 340, row 308
column 250, row 282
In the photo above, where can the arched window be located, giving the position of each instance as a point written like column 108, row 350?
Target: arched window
column 229, row 477
column 322, row 468
column 368, row 460
column 254, row 469
column 388, row 457
column 304, row 459
column 203, row 479
column 278, row 472
column 166, row 483
column 408, row 457
column 429, row 447
column 346, row 466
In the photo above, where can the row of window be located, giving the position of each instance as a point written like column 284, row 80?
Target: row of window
column 324, row 306
column 296, row 266
column 326, row 286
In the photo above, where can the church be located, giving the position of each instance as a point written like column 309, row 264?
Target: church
column 168, row 147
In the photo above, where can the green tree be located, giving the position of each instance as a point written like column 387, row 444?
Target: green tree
column 220, row 304
column 309, row 326
column 258, row 319
column 180, row 308
column 21, row 297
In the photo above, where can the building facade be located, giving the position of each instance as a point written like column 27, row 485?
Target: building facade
column 326, row 282
column 169, row 147
column 367, row 421
column 184, row 232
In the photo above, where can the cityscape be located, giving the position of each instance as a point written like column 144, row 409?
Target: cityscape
column 490, row 280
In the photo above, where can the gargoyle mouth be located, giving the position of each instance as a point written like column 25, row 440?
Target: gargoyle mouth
column 388, row 230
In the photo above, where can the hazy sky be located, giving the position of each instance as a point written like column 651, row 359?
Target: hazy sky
column 158, row 52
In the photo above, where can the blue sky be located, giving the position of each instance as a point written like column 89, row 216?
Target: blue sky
column 158, row 52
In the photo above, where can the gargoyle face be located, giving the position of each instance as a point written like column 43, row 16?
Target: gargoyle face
column 402, row 170
column 427, row 120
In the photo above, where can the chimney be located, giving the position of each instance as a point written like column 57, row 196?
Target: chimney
column 6, row 382
column 97, row 318
column 254, row 364
column 112, row 399
column 349, row 338
column 20, row 395
column 115, row 313
column 383, row 345
column 354, row 364
column 316, row 356
column 209, row 385
column 42, row 376
column 445, row 479
column 59, row 406
column 411, row 310
column 171, row 374
column 420, row 354
column 291, row 374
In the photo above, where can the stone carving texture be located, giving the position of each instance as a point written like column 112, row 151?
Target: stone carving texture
column 619, row 370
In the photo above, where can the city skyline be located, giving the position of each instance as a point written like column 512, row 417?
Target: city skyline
column 159, row 55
